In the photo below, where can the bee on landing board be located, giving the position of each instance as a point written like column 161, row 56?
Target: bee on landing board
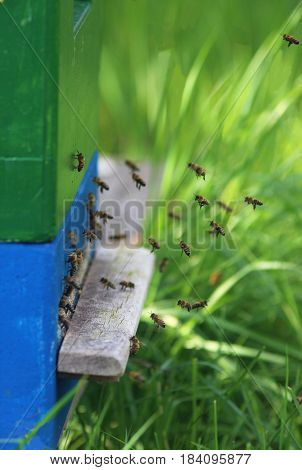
column 72, row 236
column 131, row 165
column 101, row 184
column 81, row 160
column 91, row 201
column 163, row 264
column 71, row 284
column 185, row 248
column 158, row 321
column 139, row 182
column 103, row 216
column 65, row 304
column 224, row 206
column 254, row 202
column 135, row 345
column 73, row 259
column 80, row 256
column 201, row 201
column 127, row 285
column 90, row 235
column 184, row 304
column 155, row 245
column 290, row 39
column 200, row 304
column 136, row 377
column 216, row 229
column 107, row 284
column 199, row 171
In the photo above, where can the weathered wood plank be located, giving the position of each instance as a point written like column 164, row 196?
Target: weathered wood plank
column 97, row 342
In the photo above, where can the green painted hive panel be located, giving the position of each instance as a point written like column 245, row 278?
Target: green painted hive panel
column 49, row 67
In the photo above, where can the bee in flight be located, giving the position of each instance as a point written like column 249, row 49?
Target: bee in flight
column 184, row 304
column 107, row 284
column 215, row 277
column 90, row 235
column 118, row 236
column 200, row 304
column 104, row 216
column 139, row 182
column 81, row 160
column 158, row 321
column 73, row 239
column 101, row 184
column 155, row 245
column 199, row 171
column 224, row 206
column 174, row 216
column 185, row 248
column 290, row 39
column 131, row 165
column 253, row 201
column 127, row 285
column 135, row 345
column 216, row 229
column 201, row 201
column 163, row 264
column 134, row 375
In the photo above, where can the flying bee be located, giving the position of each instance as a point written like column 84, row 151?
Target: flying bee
column 81, row 160
column 155, row 245
column 224, row 206
column 158, row 321
column 101, row 184
column 90, row 235
column 127, row 285
column 201, row 201
column 118, row 236
column 174, row 216
column 185, row 248
column 253, row 201
column 136, row 377
column 216, row 229
column 72, row 236
column 163, row 264
column 107, row 284
column 290, row 39
column 200, row 304
column 299, row 399
column 135, row 345
column 131, row 165
column 104, row 216
column 184, row 304
column 199, row 171
column 91, row 201
column 139, row 182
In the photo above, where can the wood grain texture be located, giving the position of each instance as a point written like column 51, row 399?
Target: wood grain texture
column 97, row 342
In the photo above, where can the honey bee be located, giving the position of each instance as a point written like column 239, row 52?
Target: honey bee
column 253, row 201
column 127, row 285
column 73, row 259
column 64, row 318
column 90, row 235
column 174, row 216
column 91, row 201
column 139, row 182
column 135, row 345
column 163, row 264
column 184, row 304
column 155, row 245
column 118, row 236
column 80, row 256
column 216, row 229
column 158, row 321
column 200, row 304
column 199, row 171
column 290, row 39
column 81, row 160
column 71, row 282
column 224, row 206
column 104, row 216
column 136, row 377
column 101, row 184
column 107, row 284
column 73, row 239
column 215, row 277
column 201, row 201
column 131, row 165
column 185, row 248
column 299, row 399
column 65, row 304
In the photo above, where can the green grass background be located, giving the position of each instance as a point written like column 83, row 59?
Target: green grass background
column 211, row 82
